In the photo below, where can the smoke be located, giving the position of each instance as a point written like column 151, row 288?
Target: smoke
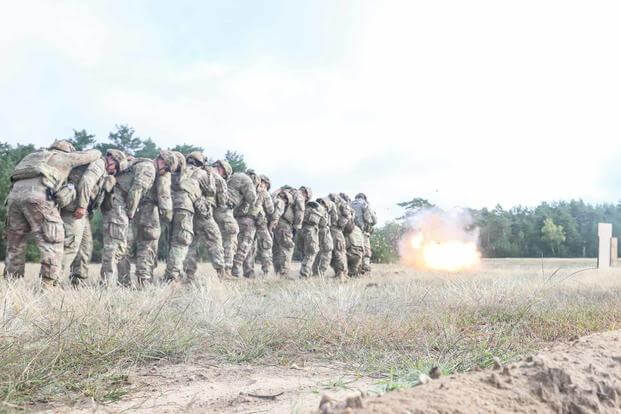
column 441, row 240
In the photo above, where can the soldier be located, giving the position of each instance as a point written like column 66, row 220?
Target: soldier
column 121, row 204
column 225, row 219
column 88, row 181
column 265, row 223
column 243, row 195
column 355, row 248
column 289, row 222
column 313, row 214
column 322, row 262
column 191, row 186
column 365, row 218
column 217, row 202
column 154, row 204
column 31, row 208
column 338, row 222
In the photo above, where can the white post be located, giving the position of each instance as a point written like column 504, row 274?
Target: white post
column 604, row 231
column 614, row 251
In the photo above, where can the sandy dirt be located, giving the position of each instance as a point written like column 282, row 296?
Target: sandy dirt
column 583, row 376
column 204, row 386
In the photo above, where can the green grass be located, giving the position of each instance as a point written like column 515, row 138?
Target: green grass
column 67, row 345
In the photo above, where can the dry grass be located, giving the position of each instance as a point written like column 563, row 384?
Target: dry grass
column 63, row 344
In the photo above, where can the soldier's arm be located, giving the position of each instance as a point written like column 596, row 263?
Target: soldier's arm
column 298, row 211
column 164, row 196
column 268, row 205
column 73, row 159
column 206, row 183
column 88, row 183
column 144, row 179
column 222, row 193
column 250, row 194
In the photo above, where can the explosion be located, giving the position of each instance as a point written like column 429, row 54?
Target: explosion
column 441, row 241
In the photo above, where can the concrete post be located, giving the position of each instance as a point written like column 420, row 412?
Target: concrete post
column 614, row 251
column 604, row 231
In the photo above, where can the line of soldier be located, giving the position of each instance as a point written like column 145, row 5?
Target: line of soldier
column 55, row 190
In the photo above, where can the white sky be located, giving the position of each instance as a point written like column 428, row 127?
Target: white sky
column 464, row 103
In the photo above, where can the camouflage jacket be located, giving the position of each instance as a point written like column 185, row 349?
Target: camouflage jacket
column 53, row 166
column 190, row 189
column 364, row 216
column 242, row 194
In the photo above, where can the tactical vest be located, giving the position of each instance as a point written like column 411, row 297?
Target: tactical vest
column 37, row 164
column 289, row 214
column 234, row 184
column 185, row 189
column 359, row 205
column 313, row 213
column 356, row 237
column 125, row 179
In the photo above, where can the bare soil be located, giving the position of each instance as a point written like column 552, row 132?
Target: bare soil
column 206, row 386
column 583, row 376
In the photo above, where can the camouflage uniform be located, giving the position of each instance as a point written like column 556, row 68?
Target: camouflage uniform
column 339, row 253
column 217, row 201
column 192, row 213
column 364, row 218
column 119, row 206
column 243, row 195
column 290, row 220
column 31, row 208
column 88, row 181
column 313, row 214
column 355, row 248
column 322, row 262
column 154, row 203
column 262, row 248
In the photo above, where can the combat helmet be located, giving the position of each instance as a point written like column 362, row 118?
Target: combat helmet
column 308, row 191
column 227, row 167
column 62, row 145
column 121, row 159
column 195, row 158
column 345, row 197
column 266, row 180
column 253, row 176
column 170, row 159
column 361, row 195
column 180, row 160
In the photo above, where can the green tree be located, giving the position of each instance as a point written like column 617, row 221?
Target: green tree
column 82, row 140
column 553, row 235
column 236, row 160
column 123, row 139
column 185, row 149
column 414, row 206
column 149, row 149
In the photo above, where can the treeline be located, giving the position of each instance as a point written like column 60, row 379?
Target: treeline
column 552, row 229
column 122, row 137
column 556, row 229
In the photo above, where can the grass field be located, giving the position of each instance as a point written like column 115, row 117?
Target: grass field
column 63, row 345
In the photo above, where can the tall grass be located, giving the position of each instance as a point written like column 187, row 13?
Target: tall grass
column 70, row 344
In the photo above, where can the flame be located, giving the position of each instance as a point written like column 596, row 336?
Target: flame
column 448, row 255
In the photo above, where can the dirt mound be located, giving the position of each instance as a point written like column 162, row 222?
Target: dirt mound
column 581, row 377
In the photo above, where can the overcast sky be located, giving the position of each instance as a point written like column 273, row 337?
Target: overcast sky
column 466, row 103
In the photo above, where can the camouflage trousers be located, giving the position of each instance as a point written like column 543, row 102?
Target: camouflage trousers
column 115, row 246
column 283, row 247
column 181, row 236
column 206, row 231
column 322, row 261
column 148, row 232
column 229, row 230
column 242, row 261
column 354, row 259
column 29, row 211
column 262, row 248
column 339, row 253
column 365, row 266
column 310, row 248
column 78, row 247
